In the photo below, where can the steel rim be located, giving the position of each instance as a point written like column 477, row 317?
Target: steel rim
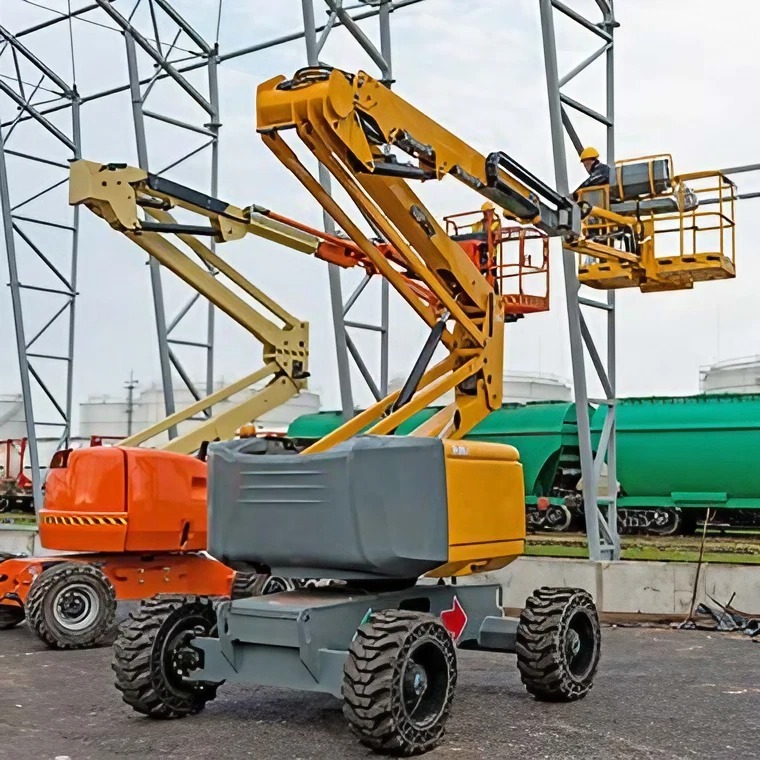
column 424, row 684
column 76, row 607
column 580, row 644
column 558, row 517
column 179, row 658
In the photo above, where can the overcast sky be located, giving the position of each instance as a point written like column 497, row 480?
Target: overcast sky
column 684, row 85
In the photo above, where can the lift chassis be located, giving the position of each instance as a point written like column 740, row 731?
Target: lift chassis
column 390, row 656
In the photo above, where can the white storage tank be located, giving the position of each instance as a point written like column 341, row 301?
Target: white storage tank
column 731, row 376
column 107, row 416
column 12, row 419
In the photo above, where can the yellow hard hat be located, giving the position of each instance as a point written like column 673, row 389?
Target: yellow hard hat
column 486, row 206
column 589, row 153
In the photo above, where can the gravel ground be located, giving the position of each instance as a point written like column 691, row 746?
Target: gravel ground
column 659, row 693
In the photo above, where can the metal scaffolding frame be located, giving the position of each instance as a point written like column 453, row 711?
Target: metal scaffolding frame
column 165, row 55
column 41, row 242
column 600, row 511
column 155, row 33
column 48, row 102
column 344, row 344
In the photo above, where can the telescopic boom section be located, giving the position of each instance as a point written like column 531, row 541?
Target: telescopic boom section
column 116, row 192
column 351, row 123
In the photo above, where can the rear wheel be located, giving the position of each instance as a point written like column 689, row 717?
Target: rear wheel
column 257, row 584
column 558, row 644
column 10, row 616
column 71, row 605
column 154, row 656
column 398, row 682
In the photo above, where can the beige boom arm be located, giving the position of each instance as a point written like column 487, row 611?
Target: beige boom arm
column 114, row 193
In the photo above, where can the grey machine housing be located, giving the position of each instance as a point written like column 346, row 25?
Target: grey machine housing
column 372, row 507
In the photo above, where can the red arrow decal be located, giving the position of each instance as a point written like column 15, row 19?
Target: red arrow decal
column 454, row 620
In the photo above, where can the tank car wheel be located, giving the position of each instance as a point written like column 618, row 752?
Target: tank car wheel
column 558, row 644
column 153, row 656
column 666, row 523
column 398, row 682
column 557, row 518
column 71, row 605
column 10, row 616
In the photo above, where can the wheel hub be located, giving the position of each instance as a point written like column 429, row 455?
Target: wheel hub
column 180, row 657
column 416, row 680
column 76, row 607
column 572, row 644
column 184, row 660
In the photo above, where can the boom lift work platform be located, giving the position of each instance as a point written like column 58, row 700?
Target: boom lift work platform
column 649, row 209
column 377, row 512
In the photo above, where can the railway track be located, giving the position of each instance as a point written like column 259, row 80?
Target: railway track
column 734, row 546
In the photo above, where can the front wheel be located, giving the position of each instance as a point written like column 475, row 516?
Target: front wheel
column 558, row 644
column 398, row 682
column 154, row 656
column 71, row 605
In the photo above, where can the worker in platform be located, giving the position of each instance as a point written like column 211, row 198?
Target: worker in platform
column 598, row 173
column 488, row 260
column 481, row 225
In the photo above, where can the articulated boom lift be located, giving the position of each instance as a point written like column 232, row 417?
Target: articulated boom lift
column 377, row 512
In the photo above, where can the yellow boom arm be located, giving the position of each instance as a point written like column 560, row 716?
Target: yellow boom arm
column 350, row 123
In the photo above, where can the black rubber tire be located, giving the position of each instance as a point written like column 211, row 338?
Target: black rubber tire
column 10, row 616
column 380, row 658
column 139, row 657
column 257, row 584
column 554, row 621
column 81, row 580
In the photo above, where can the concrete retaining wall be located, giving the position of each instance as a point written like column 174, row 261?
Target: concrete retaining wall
column 627, row 588
column 17, row 539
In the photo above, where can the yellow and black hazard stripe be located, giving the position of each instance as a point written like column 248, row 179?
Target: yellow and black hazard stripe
column 83, row 520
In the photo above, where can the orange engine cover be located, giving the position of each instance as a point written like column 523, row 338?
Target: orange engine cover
column 125, row 499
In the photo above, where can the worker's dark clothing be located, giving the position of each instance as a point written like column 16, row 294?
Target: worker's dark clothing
column 600, row 174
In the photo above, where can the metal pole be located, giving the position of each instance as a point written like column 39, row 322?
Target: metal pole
column 333, row 271
column 214, row 125
column 18, row 319
column 385, row 49
column 155, row 267
column 131, row 385
column 611, row 329
column 571, row 288
column 76, row 134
